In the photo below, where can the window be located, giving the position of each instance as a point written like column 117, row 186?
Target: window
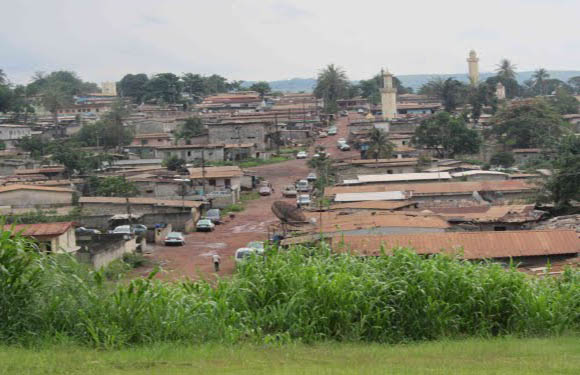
column 188, row 153
column 144, row 142
column 211, row 182
column 499, row 228
column 389, row 171
column 228, row 182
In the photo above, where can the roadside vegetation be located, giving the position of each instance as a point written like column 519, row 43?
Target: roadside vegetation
column 302, row 295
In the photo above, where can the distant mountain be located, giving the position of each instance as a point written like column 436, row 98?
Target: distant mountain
column 410, row 80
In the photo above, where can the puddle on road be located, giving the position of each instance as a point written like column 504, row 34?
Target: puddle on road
column 252, row 228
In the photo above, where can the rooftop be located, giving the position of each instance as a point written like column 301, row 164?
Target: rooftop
column 478, row 172
column 15, row 187
column 371, row 196
column 369, row 178
column 473, row 245
column 147, row 201
column 215, row 172
column 372, row 205
column 39, row 230
column 39, row 170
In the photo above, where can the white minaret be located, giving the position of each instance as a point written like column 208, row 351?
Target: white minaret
column 500, row 91
column 388, row 97
column 473, row 63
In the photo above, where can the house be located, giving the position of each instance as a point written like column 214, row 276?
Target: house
column 351, row 169
column 10, row 134
column 136, row 163
column 181, row 214
column 522, row 155
column 372, row 206
column 222, row 184
column 189, row 153
column 51, row 173
column 52, row 237
column 260, row 133
column 523, row 246
column 447, row 191
column 479, row 175
column 242, row 100
column 24, row 196
column 402, row 178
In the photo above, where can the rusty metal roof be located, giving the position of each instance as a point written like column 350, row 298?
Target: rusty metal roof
column 474, row 245
column 40, row 230
column 216, row 172
column 372, row 205
column 149, row 201
column 489, row 214
column 436, row 187
column 34, row 187
column 39, row 170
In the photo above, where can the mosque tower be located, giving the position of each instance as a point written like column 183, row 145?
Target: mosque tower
column 473, row 63
column 388, row 97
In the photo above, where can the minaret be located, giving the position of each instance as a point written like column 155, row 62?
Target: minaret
column 500, row 91
column 388, row 96
column 472, row 62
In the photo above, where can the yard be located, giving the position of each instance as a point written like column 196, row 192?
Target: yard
column 559, row 355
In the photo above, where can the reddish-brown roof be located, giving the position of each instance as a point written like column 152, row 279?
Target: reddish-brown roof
column 436, row 187
column 475, row 245
column 216, row 172
column 34, row 187
column 372, row 205
column 39, row 170
column 149, row 201
column 40, row 230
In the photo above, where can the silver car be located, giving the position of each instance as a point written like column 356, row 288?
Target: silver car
column 174, row 238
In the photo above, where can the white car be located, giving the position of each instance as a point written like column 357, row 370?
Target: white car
column 204, row 225
column 332, row 131
column 344, row 147
column 174, row 238
column 302, row 155
column 256, row 245
column 124, row 230
column 322, row 135
column 311, row 177
column 303, row 200
column 243, row 253
column 302, row 186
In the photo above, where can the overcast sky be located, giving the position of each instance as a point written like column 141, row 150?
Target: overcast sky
column 279, row 39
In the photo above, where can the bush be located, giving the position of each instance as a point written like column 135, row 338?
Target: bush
column 503, row 159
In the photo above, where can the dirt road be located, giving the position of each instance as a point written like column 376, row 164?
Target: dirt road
column 194, row 260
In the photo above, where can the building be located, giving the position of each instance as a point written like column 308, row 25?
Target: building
column 522, row 155
column 388, row 97
column 51, row 237
column 51, row 173
column 28, row 196
column 473, row 66
column 500, row 91
column 109, row 88
column 238, row 132
column 373, row 206
column 524, row 246
column 10, row 134
column 350, row 169
column 222, row 184
column 232, row 101
column 189, row 153
column 395, row 178
column 480, row 175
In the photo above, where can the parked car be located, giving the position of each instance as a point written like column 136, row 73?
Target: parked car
column 124, row 230
column 344, row 147
column 322, row 135
column 344, row 113
column 302, row 155
column 332, row 131
column 289, row 191
column 139, row 229
column 204, row 225
column 257, row 245
column 244, row 253
column 302, row 186
column 311, row 177
column 361, row 111
column 86, row 231
column 265, row 190
column 214, row 215
column 303, row 200
column 340, row 142
column 174, row 238
column 319, row 154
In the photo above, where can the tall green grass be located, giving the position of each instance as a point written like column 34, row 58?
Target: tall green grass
column 301, row 294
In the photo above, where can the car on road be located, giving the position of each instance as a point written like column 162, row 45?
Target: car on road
column 302, row 155
column 214, row 215
column 204, row 225
column 361, row 111
column 320, row 153
column 86, row 231
column 344, row 147
column 265, row 188
column 174, row 238
column 257, row 245
column 139, row 229
column 311, row 177
column 124, row 230
column 322, row 135
column 303, row 186
column 332, row 131
column 289, row 191
column 243, row 253
column 303, row 200
column 344, row 113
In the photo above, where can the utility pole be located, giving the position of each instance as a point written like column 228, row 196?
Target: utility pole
column 277, row 140
column 203, row 173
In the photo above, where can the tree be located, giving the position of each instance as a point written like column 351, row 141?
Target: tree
column 564, row 102
column 527, row 125
column 574, row 82
column 192, row 127
column 506, row 70
column 174, row 163
column 503, row 159
column 564, row 185
column 512, row 87
column 215, row 84
column 194, row 85
column 115, row 133
column 35, row 145
column 323, row 166
column 371, row 88
column 115, row 186
column 448, row 91
column 480, row 96
column 433, row 88
column 331, row 85
column 448, row 135
column 379, row 144
column 133, row 85
column 163, row 88
column 261, row 87
column 74, row 161
column 539, row 77
column 2, row 145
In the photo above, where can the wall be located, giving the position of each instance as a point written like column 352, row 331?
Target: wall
column 103, row 249
column 240, row 133
column 35, row 198
column 483, row 177
column 350, row 172
column 191, row 154
column 178, row 220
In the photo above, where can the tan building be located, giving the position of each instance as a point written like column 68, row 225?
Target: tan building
column 109, row 88
column 51, row 237
column 22, row 196
column 473, row 65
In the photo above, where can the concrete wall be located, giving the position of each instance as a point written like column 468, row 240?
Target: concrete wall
column 483, row 177
column 35, row 198
column 350, row 172
column 179, row 220
column 211, row 154
column 104, row 249
column 240, row 133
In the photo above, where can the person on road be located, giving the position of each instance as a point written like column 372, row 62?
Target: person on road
column 216, row 262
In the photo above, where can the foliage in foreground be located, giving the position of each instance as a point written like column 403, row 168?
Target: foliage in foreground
column 302, row 294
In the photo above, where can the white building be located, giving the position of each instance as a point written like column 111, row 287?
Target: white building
column 10, row 134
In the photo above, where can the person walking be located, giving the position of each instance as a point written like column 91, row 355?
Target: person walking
column 216, row 262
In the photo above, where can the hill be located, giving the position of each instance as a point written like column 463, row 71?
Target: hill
column 410, row 80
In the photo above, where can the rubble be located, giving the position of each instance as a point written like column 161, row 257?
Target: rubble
column 561, row 222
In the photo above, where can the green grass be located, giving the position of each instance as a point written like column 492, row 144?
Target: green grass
column 258, row 162
column 560, row 355
column 249, row 196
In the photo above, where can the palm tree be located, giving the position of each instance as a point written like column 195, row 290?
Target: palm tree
column 331, row 85
column 540, row 76
column 505, row 69
column 379, row 144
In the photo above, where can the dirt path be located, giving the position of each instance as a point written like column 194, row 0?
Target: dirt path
column 194, row 259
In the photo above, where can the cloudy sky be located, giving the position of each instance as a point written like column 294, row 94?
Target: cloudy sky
column 278, row 39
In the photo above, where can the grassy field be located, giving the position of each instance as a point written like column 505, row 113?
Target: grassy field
column 559, row 355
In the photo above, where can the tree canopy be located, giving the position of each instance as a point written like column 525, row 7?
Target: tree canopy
column 448, row 135
column 261, row 88
column 564, row 185
column 332, row 84
column 371, row 88
column 192, row 127
column 114, row 186
column 379, row 144
column 506, row 70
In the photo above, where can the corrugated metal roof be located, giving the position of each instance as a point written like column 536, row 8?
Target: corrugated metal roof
column 399, row 177
column 34, row 187
column 40, row 230
column 39, row 170
column 150, row 201
column 475, row 245
column 376, row 196
column 216, row 172
column 477, row 172
column 436, row 188
column 372, row 205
